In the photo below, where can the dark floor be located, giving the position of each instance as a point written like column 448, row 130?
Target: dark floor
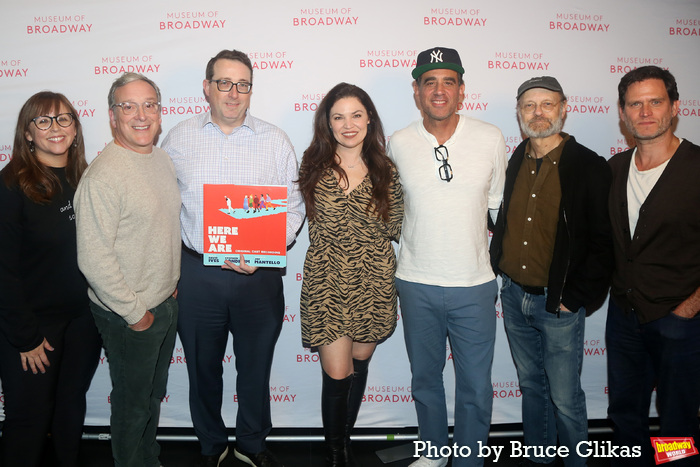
column 183, row 453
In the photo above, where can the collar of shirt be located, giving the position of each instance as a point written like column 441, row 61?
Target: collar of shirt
column 554, row 155
column 433, row 140
column 248, row 122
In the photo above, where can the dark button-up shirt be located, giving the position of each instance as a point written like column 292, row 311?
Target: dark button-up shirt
column 531, row 228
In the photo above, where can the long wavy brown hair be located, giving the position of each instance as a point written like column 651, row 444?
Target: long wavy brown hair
column 320, row 155
column 36, row 180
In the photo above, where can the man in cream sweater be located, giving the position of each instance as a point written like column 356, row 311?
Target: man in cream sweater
column 127, row 210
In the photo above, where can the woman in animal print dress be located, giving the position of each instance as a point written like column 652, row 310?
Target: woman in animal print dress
column 354, row 204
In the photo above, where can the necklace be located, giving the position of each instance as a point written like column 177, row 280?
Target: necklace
column 357, row 162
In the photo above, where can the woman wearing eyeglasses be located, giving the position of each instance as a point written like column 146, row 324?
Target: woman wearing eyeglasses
column 354, row 204
column 49, row 345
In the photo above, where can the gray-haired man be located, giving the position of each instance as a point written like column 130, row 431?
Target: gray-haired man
column 129, row 250
column 553, row 248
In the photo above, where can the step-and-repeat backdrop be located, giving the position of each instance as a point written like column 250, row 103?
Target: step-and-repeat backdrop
column 299, row 50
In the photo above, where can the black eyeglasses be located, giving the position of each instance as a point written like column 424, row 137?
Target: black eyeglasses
column 225, row 85
column 45, row 122
column 445, row 170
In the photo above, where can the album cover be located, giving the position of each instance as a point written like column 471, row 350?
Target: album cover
column 247, row 220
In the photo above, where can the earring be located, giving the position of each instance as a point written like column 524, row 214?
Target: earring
column 75, row 143
column 31, row 146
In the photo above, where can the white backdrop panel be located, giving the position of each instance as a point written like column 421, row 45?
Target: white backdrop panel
column 300, row 49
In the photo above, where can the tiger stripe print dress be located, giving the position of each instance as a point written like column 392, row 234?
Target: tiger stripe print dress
column 348, row 286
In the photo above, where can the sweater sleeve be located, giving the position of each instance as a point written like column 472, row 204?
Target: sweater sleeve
column 17, row 321
column 98, row 213
column 588, row 282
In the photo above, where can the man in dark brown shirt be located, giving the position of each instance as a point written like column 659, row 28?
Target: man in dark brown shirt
column 552, row 246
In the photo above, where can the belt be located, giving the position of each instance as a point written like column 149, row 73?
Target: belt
column 191, row 252
column 529, row 289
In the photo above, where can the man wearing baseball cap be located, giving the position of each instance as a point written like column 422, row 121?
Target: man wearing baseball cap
column 552, row 246
column 452, row 169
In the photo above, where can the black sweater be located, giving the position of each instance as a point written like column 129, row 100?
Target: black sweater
column 40, row 282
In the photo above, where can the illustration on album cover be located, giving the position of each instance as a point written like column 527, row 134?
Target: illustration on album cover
column 247, row 220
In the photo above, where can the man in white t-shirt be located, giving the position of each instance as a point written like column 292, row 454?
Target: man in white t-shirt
column 452, row 168
column 653, row 326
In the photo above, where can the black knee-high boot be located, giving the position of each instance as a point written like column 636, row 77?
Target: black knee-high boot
column 334, row 411
column 357, row 391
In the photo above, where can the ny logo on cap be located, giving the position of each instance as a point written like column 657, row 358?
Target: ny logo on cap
column 436, row 56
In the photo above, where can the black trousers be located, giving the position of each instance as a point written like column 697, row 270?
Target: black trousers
column 213, row 303
column 52, row 402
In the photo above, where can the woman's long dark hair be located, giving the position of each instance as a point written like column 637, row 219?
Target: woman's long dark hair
column 36, row 180
column 320, row 155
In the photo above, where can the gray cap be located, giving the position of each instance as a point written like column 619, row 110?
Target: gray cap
column 546, row 82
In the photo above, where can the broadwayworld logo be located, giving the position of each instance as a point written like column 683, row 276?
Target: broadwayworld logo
column 672, row 449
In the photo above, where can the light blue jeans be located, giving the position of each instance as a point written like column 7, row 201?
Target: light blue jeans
column 467, row 316
column 548, row 352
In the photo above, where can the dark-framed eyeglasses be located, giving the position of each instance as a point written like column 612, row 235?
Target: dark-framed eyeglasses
column 44, row 122
column 445, row 170
column 130, row 108
column 225, row 85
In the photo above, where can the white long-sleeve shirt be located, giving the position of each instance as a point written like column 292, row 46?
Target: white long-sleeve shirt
column 444, row 238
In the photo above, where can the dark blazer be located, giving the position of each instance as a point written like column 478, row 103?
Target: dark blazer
column 582, row 261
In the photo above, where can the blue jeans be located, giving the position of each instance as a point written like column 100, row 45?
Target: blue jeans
column 665, row 352
column 138, row 366
column 548, row 352
column 467, row 316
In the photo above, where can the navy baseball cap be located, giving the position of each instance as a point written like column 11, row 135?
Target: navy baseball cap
column 437, row 57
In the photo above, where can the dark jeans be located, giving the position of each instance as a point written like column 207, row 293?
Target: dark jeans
column 50, row 402
column 138, row 366
column 214, row 302
column 665, row 353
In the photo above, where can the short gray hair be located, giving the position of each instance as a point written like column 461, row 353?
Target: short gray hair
column 125, row 79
